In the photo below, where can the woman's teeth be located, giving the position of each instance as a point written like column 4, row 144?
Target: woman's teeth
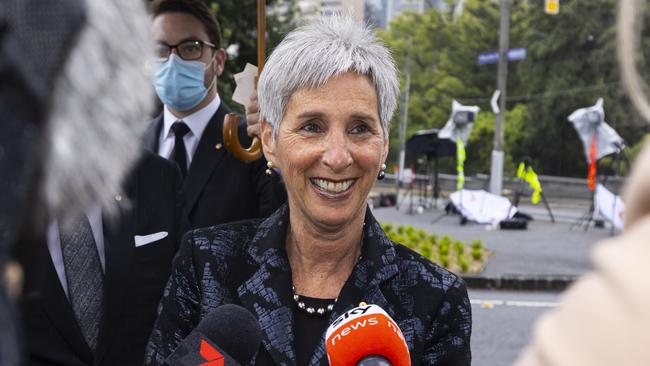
column 333, row 187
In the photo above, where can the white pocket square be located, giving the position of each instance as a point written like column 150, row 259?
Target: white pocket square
column 141, row 240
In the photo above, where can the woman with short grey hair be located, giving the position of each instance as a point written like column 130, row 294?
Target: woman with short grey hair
column 326, row 96
column 312, row 55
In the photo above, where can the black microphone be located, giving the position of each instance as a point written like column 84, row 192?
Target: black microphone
column 228, row 336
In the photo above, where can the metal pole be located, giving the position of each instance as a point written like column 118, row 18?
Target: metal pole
column 496, row 171
column 403, row 120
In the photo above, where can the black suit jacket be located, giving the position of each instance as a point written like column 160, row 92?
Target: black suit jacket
column 133, row 283
column 245, row 263
column 218, row 187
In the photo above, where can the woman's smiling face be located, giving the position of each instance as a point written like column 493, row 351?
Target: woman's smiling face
column 329, row 147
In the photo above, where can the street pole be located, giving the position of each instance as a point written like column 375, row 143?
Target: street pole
column 496, row 170
column 403, row 121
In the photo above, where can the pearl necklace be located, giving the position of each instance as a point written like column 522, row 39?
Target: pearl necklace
column 309, row 309
column 319, row 310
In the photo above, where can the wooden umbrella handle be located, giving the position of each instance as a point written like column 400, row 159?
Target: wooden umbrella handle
column 231, row 121
column 231, row 140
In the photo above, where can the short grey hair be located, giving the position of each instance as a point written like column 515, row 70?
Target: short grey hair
column 311, row 55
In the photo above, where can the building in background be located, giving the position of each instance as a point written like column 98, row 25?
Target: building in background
column 378, row 13
column 310, row 10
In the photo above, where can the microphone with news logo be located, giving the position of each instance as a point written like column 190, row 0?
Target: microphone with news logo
column 366, row 336
column 228, row 336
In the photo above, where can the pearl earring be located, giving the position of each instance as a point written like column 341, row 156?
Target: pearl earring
column 269, row 168
column 382, row 172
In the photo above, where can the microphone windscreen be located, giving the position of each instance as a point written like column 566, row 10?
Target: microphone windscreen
column 365, row 331
column 235, row 330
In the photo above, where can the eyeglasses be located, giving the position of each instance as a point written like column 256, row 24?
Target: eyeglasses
column 188, row 50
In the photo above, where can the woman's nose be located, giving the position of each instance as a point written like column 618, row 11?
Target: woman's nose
column 337, row 154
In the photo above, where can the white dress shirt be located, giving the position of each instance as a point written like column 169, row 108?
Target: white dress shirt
column 197, row 122
column 54, row 244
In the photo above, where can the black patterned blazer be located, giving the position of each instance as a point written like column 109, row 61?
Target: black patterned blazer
column 245, row 263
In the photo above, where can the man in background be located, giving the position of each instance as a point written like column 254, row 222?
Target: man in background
column 218, row 187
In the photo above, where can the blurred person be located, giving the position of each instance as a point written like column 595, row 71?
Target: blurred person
column 604, row 317
column 75, row 70
column 327, row 94
column 92, row 285
column 53, row 162
column 190, row 58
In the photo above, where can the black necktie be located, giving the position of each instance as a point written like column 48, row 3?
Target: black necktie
column 179, row 154
column 84, row 276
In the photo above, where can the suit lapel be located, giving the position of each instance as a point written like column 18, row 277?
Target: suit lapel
column 151, row 136
column 58, row 309
column 205, row 159
column 118, row 247
column 267, row 293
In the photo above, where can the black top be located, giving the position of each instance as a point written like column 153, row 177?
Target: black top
column 309, row 330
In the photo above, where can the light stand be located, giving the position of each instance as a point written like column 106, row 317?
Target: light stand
column 520, row 188
column 599, row 140
column 426, row 145
column 458, row 129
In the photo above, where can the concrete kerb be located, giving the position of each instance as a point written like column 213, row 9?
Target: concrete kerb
column 519, row 282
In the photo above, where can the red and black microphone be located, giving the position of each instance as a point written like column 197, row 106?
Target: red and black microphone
column 228, row 336
column 366, row 336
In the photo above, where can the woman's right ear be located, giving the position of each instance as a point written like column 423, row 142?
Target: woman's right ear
column 268, row 142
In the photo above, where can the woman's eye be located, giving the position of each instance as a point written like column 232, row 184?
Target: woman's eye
column 310, row 127
column 359, row 129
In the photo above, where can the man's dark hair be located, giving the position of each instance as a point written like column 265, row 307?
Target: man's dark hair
column 197, row 8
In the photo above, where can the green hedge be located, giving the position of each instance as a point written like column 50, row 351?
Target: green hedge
column 446, row 251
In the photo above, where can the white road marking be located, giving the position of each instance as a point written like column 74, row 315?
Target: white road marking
column 517, row 303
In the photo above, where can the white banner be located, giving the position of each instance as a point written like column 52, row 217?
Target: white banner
column 610, row 206
column 482, row 207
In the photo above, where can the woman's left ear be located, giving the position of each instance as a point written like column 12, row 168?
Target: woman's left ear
column 384, row 155
column 268, row 143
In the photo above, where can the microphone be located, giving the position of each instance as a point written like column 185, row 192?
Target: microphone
column 228, row 336
column 373, row 361
column 366, row 336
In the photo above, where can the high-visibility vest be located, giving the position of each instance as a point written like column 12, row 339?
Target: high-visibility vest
column 528, row 175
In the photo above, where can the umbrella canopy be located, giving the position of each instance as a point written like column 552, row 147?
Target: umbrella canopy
column 427, row 142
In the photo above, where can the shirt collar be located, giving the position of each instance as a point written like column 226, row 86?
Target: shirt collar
column 197, row 121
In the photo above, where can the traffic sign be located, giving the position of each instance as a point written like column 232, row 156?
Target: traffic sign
column 485, row 58
column 552, row 7
column 514, row 54
column 494, row 101
column 517, row 54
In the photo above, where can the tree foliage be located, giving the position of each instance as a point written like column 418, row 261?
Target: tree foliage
column 238, row 20
column 571, row 62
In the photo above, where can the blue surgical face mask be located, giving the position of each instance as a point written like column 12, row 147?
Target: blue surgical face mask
column 180, row 83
